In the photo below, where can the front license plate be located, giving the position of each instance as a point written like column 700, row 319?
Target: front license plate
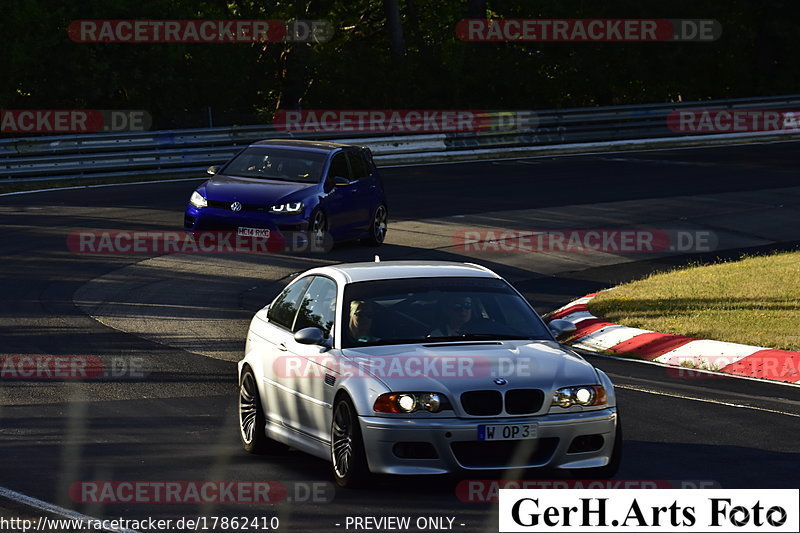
column 253, row 232
column 507, row 431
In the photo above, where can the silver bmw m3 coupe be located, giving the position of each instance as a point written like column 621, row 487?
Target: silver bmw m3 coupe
column 407, row 367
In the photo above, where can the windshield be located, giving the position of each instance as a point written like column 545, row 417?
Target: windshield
column 406, row 311
column 278, row 164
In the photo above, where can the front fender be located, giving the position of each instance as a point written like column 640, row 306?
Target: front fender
column 605, row 381
column 251, row 357
column 363, row 391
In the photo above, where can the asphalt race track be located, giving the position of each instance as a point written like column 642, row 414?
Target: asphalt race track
column 180, row 320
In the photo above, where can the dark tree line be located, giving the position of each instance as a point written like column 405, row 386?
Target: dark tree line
column 386, row 54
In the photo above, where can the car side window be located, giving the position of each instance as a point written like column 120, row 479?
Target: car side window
column 359, row 165
column 284, row 308
column 318, row 308
column 366, row 153
column 339, row 167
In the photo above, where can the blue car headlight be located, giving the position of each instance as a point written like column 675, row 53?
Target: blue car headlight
column 198, row 200
column 287, row 209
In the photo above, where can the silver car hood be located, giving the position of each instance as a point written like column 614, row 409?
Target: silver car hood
column 461, row 367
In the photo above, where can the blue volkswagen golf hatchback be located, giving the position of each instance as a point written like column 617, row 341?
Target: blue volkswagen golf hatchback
column 318, row 188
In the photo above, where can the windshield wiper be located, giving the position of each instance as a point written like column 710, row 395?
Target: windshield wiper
column 387, row 342
column 481, row 336
column 449, row 338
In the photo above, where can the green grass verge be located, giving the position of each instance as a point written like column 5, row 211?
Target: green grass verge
column 754, row 301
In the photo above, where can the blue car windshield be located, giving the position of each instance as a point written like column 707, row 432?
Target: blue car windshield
column 428, row 310
column 277, row 164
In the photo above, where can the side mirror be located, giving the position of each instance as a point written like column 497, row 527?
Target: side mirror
column 312, row 336
column 562, row 329
column 339, row 181
column 213, row 169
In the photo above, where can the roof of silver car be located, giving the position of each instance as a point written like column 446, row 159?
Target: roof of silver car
column 354, row 272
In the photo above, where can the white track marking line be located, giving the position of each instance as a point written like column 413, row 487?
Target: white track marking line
column 40, row 505
column 698, row 399
column 98, row 185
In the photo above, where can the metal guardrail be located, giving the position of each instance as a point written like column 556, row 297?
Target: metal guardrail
column 179, row 153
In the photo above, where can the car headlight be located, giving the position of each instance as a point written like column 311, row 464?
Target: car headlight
column 585, row 395
column 408, row 402
column 283, row 209
column 198, row 200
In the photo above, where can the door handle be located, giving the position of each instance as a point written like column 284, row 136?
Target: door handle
column 282, row 347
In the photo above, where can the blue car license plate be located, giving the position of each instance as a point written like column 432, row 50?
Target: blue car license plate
column 253, row 232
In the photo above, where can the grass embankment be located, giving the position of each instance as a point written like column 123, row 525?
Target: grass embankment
column 754, row 301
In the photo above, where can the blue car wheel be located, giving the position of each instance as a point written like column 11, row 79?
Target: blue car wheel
column 378, row 226
column 317, row 228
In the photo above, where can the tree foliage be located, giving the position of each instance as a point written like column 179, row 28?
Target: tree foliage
column 385, row 54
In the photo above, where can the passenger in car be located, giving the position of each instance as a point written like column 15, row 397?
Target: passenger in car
column 360, row 326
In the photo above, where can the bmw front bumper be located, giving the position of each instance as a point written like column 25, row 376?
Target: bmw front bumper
column 450, row 445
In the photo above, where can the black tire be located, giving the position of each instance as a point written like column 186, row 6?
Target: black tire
column 317, row 229
column 611, row 469
column 378, row 226
column 252, row 420
column 349, row 462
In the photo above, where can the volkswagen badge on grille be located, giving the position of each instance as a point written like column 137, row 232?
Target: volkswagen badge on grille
column 236, row 206
column 501, row 381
